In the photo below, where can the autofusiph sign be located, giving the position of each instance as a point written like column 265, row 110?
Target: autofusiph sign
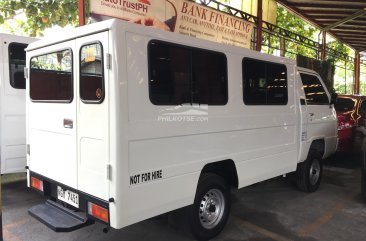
column 180, row 16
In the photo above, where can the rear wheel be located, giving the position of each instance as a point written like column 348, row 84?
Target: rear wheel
column 211, row 208
column 309, row 173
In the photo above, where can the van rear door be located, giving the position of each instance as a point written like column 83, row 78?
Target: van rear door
column 52, row 112
column 12, row 101
column 93, row 113
column 68, row 114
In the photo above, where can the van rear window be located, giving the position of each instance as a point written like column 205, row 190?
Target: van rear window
column 51, row 77
column 16, row 65
column 91, row 73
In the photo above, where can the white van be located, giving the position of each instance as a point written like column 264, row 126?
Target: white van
column 126, row 122
column 12, row 103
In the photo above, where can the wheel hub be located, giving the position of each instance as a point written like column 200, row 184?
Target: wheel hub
column 211, row 208
column 314, row 172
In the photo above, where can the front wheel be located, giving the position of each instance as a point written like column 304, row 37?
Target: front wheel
column 211, row 207
column 309, row 173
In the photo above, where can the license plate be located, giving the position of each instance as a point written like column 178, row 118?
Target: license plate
column 68, row 197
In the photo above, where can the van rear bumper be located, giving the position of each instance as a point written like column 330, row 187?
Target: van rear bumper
column 50, row 212
column 59, row 218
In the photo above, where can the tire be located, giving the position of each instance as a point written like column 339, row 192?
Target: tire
column 211, row 208
column 309, row 173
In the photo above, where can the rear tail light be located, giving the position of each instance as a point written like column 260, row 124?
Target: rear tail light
column 37, row 184
column 345, row 121
column 345, row 124
column 98, row 212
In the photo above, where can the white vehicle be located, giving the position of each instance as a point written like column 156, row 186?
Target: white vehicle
column 12, row 103
column 126, row 122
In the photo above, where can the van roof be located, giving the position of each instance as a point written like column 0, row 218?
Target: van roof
column 72, row 34
column 163, row 35
column 5, row 35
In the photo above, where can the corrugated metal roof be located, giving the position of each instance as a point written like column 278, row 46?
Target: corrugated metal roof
column 346, row 20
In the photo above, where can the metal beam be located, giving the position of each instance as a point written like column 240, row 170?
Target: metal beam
column 81, row 12
column 289, row 7
column 324, row 45
column 357, row 73
column 340, row 22
column 259, row 25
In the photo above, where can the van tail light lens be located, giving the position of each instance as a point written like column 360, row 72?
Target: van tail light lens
column 37, row 184
column 345, row 122
column 98, row 212
column 345, row 125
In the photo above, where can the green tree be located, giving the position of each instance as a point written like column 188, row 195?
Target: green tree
column 40, row 14
column 295, row 24
column 336, row 56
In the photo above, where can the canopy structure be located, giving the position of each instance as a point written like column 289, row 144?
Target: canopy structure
column 346, row 20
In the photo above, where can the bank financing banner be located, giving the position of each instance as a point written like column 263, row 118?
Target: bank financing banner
column 180, row 16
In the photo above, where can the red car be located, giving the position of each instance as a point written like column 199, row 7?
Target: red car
column 351, row 113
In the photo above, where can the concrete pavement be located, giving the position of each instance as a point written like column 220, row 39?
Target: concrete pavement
column 271, row 210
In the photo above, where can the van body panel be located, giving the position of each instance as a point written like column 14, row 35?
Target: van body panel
column 12, row 109
column 154, row 163
column 52, row 144
column 93, row 129
column 321, row 120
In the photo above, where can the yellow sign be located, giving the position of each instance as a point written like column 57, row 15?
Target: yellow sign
column 90, row 55
column 180, row 16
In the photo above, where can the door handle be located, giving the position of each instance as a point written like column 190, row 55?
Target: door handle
column 68, row 123
column 311, row 114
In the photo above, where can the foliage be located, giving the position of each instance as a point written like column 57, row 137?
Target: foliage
column 343, row 75
column 295, row 24
column 40, row 14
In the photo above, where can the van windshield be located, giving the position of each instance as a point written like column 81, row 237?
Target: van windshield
column 344, row 104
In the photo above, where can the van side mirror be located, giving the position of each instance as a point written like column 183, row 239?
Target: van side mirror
column 333, row 98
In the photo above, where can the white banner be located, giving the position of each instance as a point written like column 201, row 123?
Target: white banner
column 180, row 16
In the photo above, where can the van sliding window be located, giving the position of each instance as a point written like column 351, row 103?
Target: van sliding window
column 51, row 77
column 16, row 65
column 264, row 83
column 91, row 73
column 185, row 75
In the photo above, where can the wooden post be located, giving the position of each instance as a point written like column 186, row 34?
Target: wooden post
column 357, row 73
column 324, row 45
column 259, row 26
column 81, row 8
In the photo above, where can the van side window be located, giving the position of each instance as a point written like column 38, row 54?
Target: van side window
column 16, row 65
column 264, row 83
column 91, row 73
column 314, row 90
column 51, row 77
column 184, row 75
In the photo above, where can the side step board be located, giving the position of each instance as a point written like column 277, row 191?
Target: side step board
column 58, row 218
